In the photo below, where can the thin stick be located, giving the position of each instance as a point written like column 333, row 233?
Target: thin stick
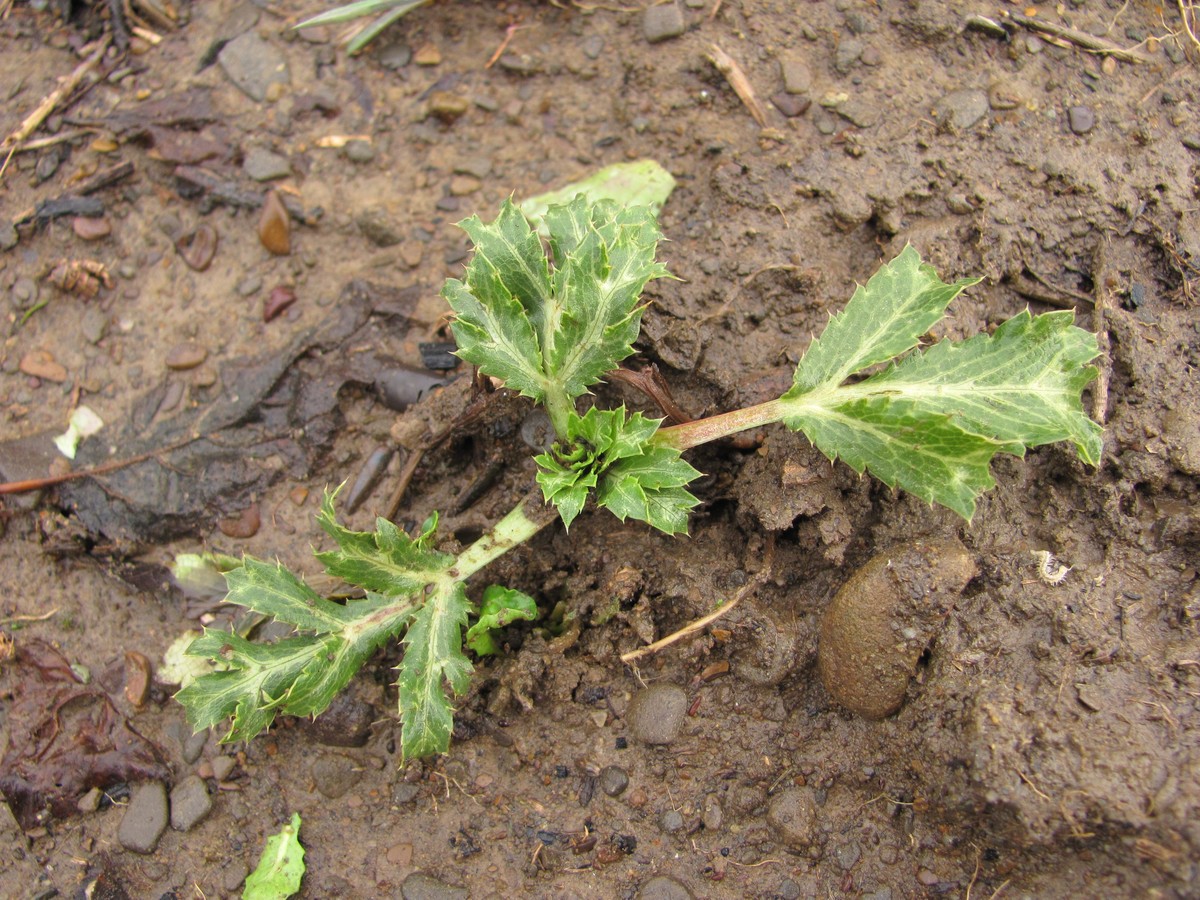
column 406, row 477
column 739, row 82
column 1188, row 12
column 753, row 584
column 37, row 484
column 40, row 113
column 42, row 618
column 1079, row 38
column 1100, row 326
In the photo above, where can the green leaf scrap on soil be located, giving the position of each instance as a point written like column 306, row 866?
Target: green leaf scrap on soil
column 640, row 183
column 281, row 867
column 501, row 607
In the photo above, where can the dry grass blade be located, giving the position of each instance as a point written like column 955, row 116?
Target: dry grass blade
column 739, row 82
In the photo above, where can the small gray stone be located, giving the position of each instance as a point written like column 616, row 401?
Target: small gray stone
column 593, row 46
column 89, row 802
column 959, row 110
column 8, row 235
column 663, row 22
column 223, row 766
column 334, row 774
column 859, row 112
column 190, row 803
column 263, row 165
column 791, row 105
column 253, row 65
column 404, row 792
column 377, row 227
column 250, row 285
column 93, row 325
column 359, row 151
column 793, row 816
column 1081, row 119
column 145, row 818
column 671, row 821
column 193, row 744
column 240, row 19
column 663, row 887
column 396, row 56
column 847, row 54
column 797, row 77
column 476, row 166
column 420, row 886
column 656, row 714
column 613, row 780
column 24, row 293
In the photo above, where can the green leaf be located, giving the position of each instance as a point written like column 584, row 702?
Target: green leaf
column 501, row 606
column 552, row 334
column 887, row 317
column 932, row 422
column 281, row 867
column 271, row 589
column 640, row 183
column 386, row 560
column 433, row 660
column 1022, row 383
column 360, row 9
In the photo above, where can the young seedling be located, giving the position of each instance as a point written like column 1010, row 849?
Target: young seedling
column 929, row 421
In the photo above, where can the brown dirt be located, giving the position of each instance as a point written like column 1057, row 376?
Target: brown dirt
column 1048, row 745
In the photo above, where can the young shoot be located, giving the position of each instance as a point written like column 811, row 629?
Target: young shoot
column 930, row 422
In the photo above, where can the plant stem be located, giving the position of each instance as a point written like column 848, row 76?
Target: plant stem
column 559, row 408
column 701, row 431
column 525, row 520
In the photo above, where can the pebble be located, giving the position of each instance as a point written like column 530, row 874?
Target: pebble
column 959, row 110
column 791, row 105
column 656, row 714
column 671, row 821
column 41, row 364
column 663, row 887
column 199, row 247
column 346, row 723
column 334, row 774
column 462, row 185
column 275, row 225
column 883, row 618
column 8, row 235
column 47, row 164
column 662, row 22
column 797, row 77
column 204, row 376
column 613, row 780
column 1081, row 119
column 89, row 802
column 223, row 766
column 185, row 356
column 137, row 677
column 377, row 227
column 428, row 55
column 145, row 818
column 192, row 743
column 419, row 886
column 250, row 285
column 593, row 46
column 1005, row 95
column 24, row 293
column 475, row 166
column 847, row 54
column 277, row 301
column 359, row 151
column 93, row 325
column 447, row 106
column 244, row 525
column 263, row 165
column 91, row 229
column 396, row 56
column 793, row 817
column 713, row 815
column 190, row 803
column 253, row 65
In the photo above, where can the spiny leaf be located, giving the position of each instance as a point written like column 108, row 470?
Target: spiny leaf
column 559, row 331
column 501, row 606
column 887, row 317
column 386, row 560
column 932, row 422
column 271, row 589
column 433, row 660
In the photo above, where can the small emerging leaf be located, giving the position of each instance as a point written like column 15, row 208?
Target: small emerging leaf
column 640, row 183
column 281, row 867
column 501, row 606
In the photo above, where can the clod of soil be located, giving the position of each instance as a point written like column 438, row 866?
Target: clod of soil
column 883, row 619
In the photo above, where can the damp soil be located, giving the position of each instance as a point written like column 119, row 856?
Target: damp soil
column 1048, row 743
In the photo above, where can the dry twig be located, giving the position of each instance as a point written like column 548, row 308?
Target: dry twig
column 1079, row 38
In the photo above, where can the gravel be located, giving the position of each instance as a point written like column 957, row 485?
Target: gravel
column 656, row 714
column 190, row 803
column 145, row 818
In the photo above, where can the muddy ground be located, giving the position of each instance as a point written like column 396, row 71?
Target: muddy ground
column 1048, row 745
